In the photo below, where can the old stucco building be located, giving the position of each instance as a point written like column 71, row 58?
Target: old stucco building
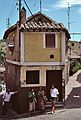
column 37, row 58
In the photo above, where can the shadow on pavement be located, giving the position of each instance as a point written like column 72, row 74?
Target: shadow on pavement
column 11, row 114
column 79, row 78
column 74, row 98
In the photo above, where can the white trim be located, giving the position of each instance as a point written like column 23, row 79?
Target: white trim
column 13, row 62
column 42, row 78
column 56, row 39
column 63, row 47
column 31, row 85
column 42, row 63
column 22, row 48
column 35, row 63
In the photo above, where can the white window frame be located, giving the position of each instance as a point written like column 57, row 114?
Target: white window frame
column 56, row 39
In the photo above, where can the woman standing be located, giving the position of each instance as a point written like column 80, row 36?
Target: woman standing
column 41, row 100
column 54, row 96
column 32, row 100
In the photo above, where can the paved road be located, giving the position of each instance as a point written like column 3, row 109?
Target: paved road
column 73, row 83
column 64, row 114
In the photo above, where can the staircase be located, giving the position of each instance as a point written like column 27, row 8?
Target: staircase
column 48, row 105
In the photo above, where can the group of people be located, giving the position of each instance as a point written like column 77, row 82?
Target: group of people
column 41, row 99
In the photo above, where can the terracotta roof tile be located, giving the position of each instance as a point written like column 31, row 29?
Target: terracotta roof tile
column 40, row 22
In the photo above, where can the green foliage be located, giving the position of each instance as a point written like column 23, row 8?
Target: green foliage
column 2, row 57
column 2, row 40
column 74, row 66
column 2, row 52
column 78, row 65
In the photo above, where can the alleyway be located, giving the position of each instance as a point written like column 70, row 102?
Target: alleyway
column 73, row 91
column 72, row 109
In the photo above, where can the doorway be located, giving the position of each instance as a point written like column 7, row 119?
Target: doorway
column 54, row 77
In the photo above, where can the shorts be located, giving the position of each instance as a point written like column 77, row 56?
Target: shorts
column 54, row 99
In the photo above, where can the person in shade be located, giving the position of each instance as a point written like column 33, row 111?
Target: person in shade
column 41, row 100
column 32, row 100
column 6, row 101
column 54, row 96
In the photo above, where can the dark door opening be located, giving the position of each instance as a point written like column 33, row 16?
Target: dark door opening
column 54, row 77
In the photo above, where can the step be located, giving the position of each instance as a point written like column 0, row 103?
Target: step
column 57, row 105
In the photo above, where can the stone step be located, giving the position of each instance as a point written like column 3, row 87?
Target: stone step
column 48, row 107
column 57, row 105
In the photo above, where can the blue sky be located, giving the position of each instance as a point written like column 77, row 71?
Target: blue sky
column 55, row 9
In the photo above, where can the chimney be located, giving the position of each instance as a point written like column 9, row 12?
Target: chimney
column 23, row 15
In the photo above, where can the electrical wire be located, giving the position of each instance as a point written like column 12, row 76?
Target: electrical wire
column 12, row 12
column 28, row 7
column 13, row 15
column 12, row 7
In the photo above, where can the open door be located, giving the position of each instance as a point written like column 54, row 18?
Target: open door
column 54, row 77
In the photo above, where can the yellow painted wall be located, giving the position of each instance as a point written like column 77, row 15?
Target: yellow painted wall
column 34, row 50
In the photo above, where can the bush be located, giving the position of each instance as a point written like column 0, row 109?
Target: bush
column 78, row 65
column 74, row 66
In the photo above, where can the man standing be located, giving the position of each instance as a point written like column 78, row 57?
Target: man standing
column 54, row 96
column 6, row 101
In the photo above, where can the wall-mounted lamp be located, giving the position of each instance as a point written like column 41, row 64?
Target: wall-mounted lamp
column 11, row 46
column 66, row 60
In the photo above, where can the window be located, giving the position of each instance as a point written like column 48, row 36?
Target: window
column 32, row 77
column 50, row 40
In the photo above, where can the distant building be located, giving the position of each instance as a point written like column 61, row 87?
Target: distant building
column 37, row 58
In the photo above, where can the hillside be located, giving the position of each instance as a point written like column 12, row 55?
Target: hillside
column 73, row 49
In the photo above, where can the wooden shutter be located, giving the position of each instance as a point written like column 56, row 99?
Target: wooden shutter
column 50, row 40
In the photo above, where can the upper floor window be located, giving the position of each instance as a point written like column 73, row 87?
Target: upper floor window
column 50, row 40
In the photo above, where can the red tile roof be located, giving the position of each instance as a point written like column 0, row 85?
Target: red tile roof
column 40, row 22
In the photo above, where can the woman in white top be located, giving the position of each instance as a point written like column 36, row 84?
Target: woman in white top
column 54, row 95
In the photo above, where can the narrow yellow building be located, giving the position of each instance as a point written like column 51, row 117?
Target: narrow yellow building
column 37, row 58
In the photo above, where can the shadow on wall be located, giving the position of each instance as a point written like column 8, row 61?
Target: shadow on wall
column 74, row 99
column 79, row 78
